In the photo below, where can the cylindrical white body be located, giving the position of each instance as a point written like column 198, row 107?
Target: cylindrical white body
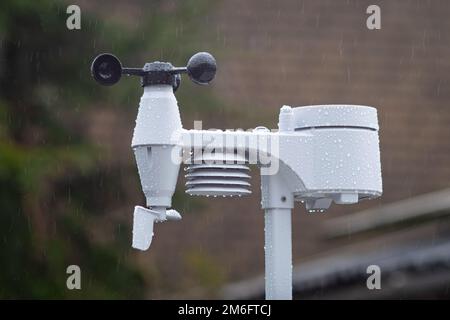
column 278, row 254
column 158, row 119
column 158, row 156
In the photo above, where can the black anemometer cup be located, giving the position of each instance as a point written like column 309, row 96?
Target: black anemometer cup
column 106, row 69
column 201, row 69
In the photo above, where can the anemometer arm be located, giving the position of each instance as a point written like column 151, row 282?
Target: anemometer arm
column 201, row 69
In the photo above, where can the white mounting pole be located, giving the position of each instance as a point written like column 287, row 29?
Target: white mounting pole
column 278, row 253
column 277, row 202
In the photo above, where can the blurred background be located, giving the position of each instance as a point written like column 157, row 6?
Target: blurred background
column 68, row 181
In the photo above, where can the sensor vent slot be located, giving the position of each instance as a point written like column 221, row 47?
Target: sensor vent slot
column 218, row 180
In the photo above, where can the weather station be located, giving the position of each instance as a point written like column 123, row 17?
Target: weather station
column 318, row 155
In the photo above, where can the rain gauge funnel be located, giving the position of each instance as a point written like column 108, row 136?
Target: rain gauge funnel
column 319, row 155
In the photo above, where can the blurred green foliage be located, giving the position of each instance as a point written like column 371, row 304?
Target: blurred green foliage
column 52, row 180
column 40, row 156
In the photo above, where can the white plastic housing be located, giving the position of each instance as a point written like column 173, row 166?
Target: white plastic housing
column 334, row 151
column 155, row 147
column 158, row 172
column 158, row 117
column 158, row 159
